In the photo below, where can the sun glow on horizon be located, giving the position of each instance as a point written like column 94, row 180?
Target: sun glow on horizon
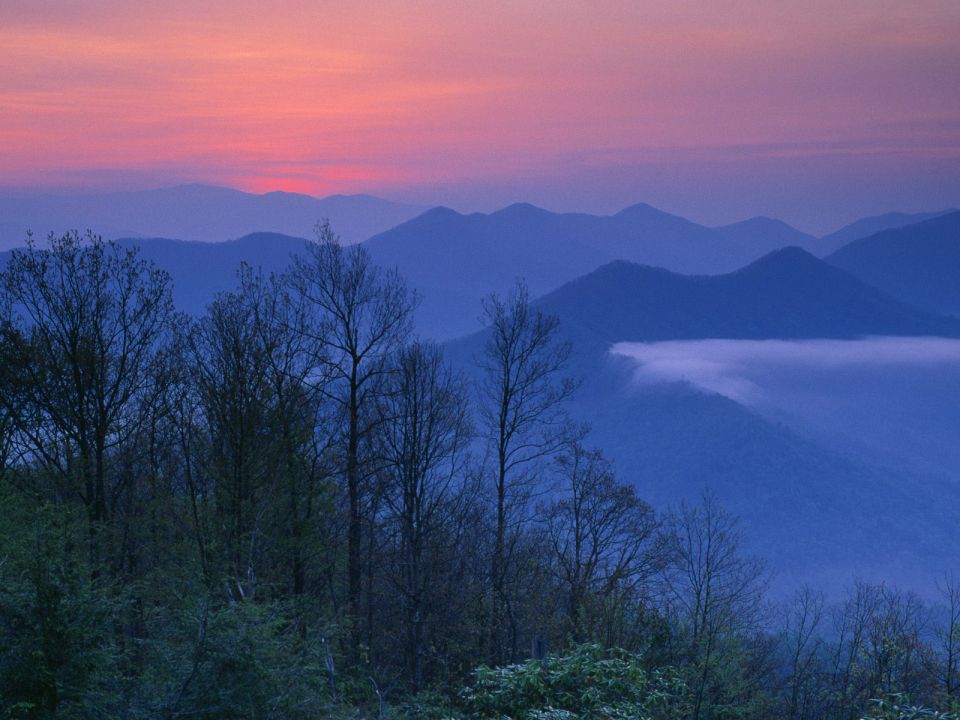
column 408, row 97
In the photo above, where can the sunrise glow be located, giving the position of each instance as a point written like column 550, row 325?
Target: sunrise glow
column 587, row 103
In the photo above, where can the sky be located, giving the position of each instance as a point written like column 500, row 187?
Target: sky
column 813, row 111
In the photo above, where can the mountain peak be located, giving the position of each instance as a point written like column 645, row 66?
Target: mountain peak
column 265, row 239
column 521, row 210
column 289, row 194
column 640, row 209
column 788, row 293
column 790, row 258
column 437, row 214
column 198, row 188
column 625, row 269
column 759, row 235
column 757, row 222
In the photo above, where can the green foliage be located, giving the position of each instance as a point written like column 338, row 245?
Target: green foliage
column 425, row 705
column 57, row 658
column 898, row 707
column 587, row 682
column 241, row 660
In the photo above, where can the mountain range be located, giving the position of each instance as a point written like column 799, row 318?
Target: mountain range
column 195, row 212
column 786, row 294
column 472, row 255
column 453, row 259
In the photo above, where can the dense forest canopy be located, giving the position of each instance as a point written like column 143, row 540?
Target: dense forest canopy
column 294, row 508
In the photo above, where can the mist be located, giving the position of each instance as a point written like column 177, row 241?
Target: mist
column 894, row 399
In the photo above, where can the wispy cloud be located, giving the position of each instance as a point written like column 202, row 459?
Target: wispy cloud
column 736, row 368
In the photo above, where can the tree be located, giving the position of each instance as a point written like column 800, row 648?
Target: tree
column 58, row 652
column 605, row 540
column 423, row 443
column 880, row 648
column 12, row 355
column 362, row 315
column 804, row 647
column 716, row 593
column 295, row 417
column 95, row 319
column 258, row 399
column 587, row 682
column 949, row 636
column 522, row 390
column 229, row 374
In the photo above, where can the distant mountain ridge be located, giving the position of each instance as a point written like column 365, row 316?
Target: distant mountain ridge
column 200, row 270
column 786, row 294
column 867, row 226
column 453, row 259
column 918, row 264
column 196, row 213
column 759, row 235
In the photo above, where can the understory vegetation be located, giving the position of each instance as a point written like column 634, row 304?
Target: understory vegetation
column 292, row 508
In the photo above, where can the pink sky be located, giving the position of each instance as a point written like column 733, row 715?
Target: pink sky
column 812, row 110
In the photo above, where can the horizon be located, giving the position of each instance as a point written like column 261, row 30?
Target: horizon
column 67, row 192
column 717, row 113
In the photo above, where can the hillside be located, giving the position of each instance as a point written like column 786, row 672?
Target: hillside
column 786, row 294
column 810, row 506
column 453, row 260
column 918, row 264
column 864, row 227
column 201, row 270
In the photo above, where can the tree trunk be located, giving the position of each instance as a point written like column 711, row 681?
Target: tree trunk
column 355, row 529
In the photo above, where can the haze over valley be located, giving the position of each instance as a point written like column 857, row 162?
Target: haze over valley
column 763, row 362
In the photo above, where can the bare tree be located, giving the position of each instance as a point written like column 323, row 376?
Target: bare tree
column 229, row 368
column 804, row 644
column 295, row 419
column 896, row 653
column 94, row 316
column 258, row 400
column 881, row 647
column 717, row 591
column 362, row 314
column 949, row 635
column 851, row 620
column 605, row 540
column 522, row 390
column 423, row 443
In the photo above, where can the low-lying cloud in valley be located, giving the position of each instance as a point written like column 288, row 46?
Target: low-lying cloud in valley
column 731, row 367
column 896, row 398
